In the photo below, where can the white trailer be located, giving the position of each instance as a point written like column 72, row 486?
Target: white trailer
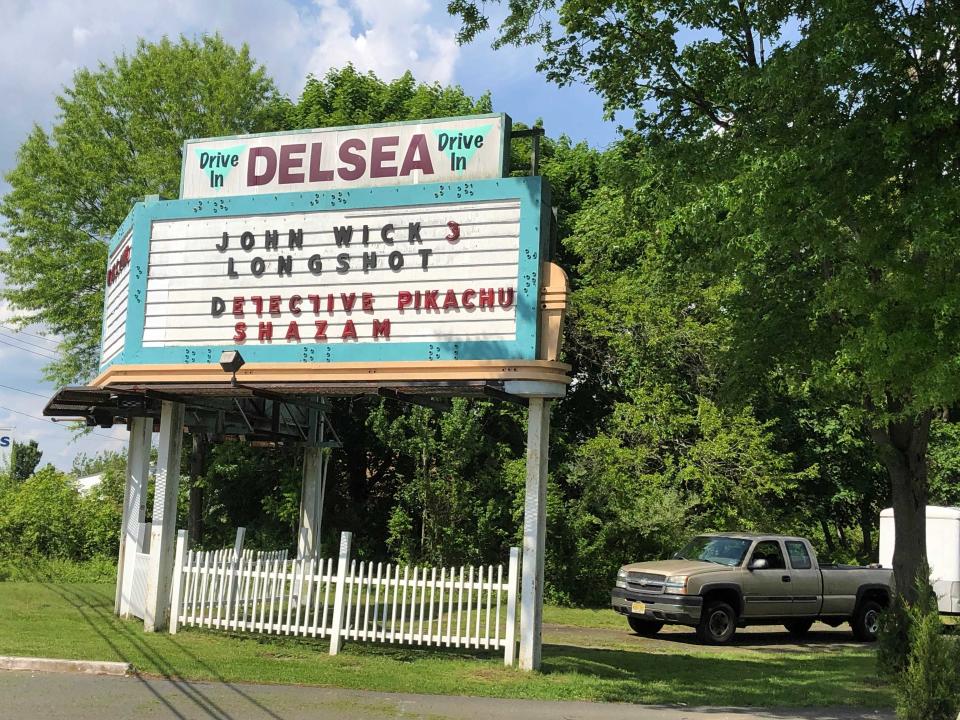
column 943, row 552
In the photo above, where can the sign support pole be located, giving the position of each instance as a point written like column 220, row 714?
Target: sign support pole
column 134, row 509
column 312, row 489
column 534, row 531
column 311, row 502
column 167, row 484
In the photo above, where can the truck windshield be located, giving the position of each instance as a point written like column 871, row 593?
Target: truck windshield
column 722, row 550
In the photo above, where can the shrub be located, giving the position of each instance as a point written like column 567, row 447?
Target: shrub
column 915, row 654
column 929, row 688
column 893, row 640
column 40, row 516
column 100, row 569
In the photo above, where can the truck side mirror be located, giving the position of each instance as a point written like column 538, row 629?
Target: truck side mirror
column 758, row 564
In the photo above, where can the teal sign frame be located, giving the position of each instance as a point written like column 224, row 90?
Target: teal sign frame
column 532, row 193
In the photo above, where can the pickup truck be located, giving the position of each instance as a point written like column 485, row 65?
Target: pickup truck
column 723, row 581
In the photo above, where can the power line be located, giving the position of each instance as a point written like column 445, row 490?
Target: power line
column 24, row 332
column 61, row 427
column 3, row 341
column 44, row 348
column 28, row 392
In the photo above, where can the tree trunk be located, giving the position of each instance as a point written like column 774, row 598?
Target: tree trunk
column 198, row 461
column 903, row 450
column 866, row 530
column 426, row 501
column 827, row 536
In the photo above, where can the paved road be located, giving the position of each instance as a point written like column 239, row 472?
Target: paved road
column 51, row 696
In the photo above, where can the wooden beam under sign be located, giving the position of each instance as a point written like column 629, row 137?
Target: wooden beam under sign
column 413, row 399
column 498, row 394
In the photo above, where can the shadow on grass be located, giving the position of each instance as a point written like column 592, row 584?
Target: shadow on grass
column 619, row 675
column 640, row 677
column 773, row 641
column 96, row 609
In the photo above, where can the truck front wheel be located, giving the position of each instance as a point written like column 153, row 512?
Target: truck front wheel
column 647, row 628
column 866, row 621
column 718, row 623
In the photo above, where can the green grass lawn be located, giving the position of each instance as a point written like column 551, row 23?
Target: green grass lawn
column 583, row 660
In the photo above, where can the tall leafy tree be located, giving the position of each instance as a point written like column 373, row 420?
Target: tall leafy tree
column 118, row 137
column 660, row 458
column 813, row 152
column 24, row 459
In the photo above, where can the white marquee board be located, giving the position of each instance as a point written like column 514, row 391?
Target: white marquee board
column 425, row 272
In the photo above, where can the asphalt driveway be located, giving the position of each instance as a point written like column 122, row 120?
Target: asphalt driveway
column 56, row 696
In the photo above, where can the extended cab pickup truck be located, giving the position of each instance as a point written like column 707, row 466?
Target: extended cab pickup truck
column 720, row 582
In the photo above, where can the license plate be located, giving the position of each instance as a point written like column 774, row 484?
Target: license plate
column 638, row 607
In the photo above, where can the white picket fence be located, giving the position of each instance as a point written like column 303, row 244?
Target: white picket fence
column 136, row 590
column 465, row 607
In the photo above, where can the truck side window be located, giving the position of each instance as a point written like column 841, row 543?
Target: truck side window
column 799, row 557
column 769, row 550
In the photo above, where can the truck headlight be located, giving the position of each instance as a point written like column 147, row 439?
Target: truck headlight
column 622, row 579
column 676, row 585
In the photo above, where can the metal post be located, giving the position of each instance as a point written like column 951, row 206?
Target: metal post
column 166, row 486
column 534, row 530
column 510, row 652
column 238, row 543
column 134, row 509
column 336, row 626
column 311, row 502
column 176, row 590
column 313, row 489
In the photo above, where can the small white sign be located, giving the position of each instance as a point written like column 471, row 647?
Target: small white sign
column 6, row 446
column 443, row 150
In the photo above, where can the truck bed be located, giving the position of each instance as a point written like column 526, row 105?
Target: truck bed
column 842, row 582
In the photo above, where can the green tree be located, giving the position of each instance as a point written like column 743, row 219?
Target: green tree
column 118, row 137
column 41, row 517
column 811, row 155
column 659, row 458
column 101, row 507
column 24, row 459
column 384, row 486
column 945, row 462
column 453, row 500
column 348, row 97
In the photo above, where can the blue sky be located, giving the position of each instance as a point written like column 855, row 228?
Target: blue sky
column 43, row 42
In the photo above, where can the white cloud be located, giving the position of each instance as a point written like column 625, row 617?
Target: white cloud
column 393, row 37
column 44, row 42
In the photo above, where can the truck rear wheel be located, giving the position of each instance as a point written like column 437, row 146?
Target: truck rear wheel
column 798, row 628
column 718, row 623
column 866, row 621
column 647, row 628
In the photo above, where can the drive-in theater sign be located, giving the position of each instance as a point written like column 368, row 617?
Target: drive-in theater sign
column 397, row 260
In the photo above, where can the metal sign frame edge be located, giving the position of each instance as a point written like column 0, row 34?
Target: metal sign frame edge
column 532, row 192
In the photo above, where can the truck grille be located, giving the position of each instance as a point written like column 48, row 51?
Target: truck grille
column 645, row 582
